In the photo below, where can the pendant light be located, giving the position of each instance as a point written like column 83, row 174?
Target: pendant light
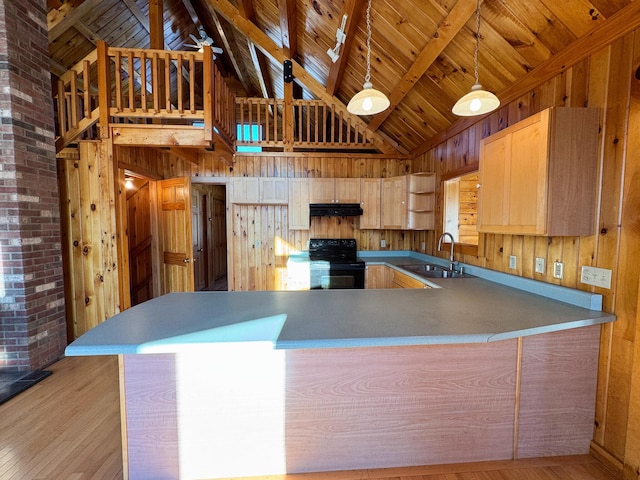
column 477, row 101
column 368, row 101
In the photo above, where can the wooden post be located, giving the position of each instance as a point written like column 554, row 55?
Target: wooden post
column 104, row 88
column 288, row 115
column 208, row 91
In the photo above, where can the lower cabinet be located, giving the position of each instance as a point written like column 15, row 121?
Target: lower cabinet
column 381, row 276
column 376, row 276
column 402, row 280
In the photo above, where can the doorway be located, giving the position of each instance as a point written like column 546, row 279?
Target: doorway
column 209, row 234
column 140, row 238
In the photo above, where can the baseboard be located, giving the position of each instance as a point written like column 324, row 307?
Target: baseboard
column 611, row 462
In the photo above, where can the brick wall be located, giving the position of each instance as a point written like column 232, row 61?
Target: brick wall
column 32, row 318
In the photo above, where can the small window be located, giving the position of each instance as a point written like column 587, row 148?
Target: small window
column 249, row 133
column 461, row 208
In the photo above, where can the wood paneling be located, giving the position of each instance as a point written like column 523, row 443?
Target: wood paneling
column 91, row 259
column 604, row 80
column 355, row 408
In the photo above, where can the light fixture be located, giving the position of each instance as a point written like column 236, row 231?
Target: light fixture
column 368, row 101
column 128, row 183
column 477, row 101
column 334, row 53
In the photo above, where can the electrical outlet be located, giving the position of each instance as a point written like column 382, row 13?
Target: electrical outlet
column 558, row 270
column 513, row 262
column 539, row 265
column 383, row 243
column 598, row 277
column 423, row 246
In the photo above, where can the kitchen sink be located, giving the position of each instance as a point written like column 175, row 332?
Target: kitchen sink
column 428, row 270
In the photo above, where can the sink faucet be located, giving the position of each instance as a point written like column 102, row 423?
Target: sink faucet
column 452, row 262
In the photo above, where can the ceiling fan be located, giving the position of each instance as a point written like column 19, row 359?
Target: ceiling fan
column 202, row 42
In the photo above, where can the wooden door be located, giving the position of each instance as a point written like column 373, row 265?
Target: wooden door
column 140, row 240
column 174, row 207
column 347, row 190
column 198, row 232
column 219, row 234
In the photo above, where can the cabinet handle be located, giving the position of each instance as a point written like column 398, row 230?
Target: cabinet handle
column 186, row 260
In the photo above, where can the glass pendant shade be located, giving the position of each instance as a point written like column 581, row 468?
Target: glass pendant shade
column 368, row 101
column 476, row 102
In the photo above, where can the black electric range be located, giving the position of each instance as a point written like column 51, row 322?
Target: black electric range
column 334, row 263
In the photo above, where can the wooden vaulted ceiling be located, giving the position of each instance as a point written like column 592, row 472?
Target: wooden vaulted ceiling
column 422, row 51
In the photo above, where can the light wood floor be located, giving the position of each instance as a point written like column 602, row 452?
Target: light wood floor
column 68, row 427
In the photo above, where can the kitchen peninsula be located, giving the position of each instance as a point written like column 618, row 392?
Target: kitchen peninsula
column 223, row 384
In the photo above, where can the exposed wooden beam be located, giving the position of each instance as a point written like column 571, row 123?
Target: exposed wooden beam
column 156, row 24
column 86, row 32
column 260, row 66
column 135, row 10
column 277, row 54
column 189, row 155
column 288, row 26
column 618, row 25
column 245, row 7
column 448, row 29
column 159, row 135
column 227, row 45
column 60, row 20
column 353, row 10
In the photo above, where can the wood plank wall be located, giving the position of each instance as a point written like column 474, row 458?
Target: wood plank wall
column 608, row 80
column 89, row 236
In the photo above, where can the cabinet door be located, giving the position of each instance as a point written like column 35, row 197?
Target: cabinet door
column 494, row 172
column 274, row 190
column 401, row 280
column 298, row 204
column 347, row 190
column 394, row 203
column 322, row 190
column 246, row 190
column 527, row 203
column 376, row 276
column 370, row 203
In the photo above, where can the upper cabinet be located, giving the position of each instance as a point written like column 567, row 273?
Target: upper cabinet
column 334, row 190
column 539, row 176
column 408, row 202
column 298, row 204
column 260, row 190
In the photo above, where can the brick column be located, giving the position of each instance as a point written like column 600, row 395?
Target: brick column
column 32, row 316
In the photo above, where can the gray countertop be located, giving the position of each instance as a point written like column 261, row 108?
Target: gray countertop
column 465, row 310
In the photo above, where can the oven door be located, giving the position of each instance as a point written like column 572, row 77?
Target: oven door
column 330, row 275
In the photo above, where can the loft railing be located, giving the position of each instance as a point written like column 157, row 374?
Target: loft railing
column 299, row 124
column 136, row 85
column 128, row 85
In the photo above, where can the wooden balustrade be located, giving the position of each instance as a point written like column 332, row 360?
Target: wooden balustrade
column 315, row 124
column 139, row 85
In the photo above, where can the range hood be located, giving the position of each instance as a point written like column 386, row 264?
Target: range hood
column 335, row 209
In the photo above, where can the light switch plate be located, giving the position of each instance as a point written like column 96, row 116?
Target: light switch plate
column 513, row 262
column 539, row 265
column 383, row 243
column 598, row 277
